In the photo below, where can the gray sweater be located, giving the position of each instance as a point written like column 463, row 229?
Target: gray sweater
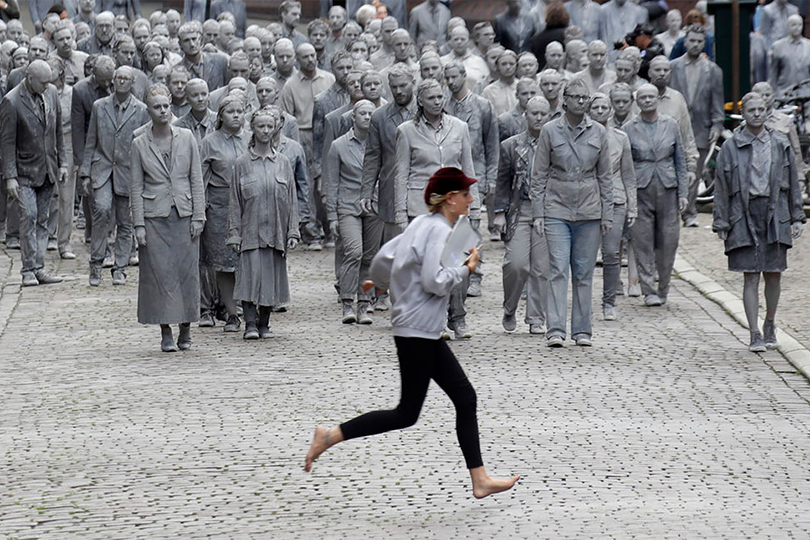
column 409, row 266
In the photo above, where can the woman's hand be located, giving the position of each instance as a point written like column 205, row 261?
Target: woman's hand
column 472, row 260
column 796, row 229
column 292, row 243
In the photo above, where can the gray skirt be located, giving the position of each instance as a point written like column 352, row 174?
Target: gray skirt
column 261, row 277
column 169, row 273
column 215, row 253
column 762, row 256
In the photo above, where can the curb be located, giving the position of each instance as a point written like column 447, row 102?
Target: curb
column 795, row 353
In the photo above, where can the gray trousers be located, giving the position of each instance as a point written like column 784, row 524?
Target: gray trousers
column 525, row 263
column 312, row 230
column 611, row 263
column 60, row 222
column 691, row 208
column 655, row 236
column 10, row 214
column 105, row 202
column 360, row 237
column 33, row 206
column 489, row 201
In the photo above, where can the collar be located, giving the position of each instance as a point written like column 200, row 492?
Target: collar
column 689, row 62
column 579, row 128
column 744, row 137
column 423, row 120
column 352, row 136
column 228, row 136
column 254, row 156
column 318, row 74
column 123, row 105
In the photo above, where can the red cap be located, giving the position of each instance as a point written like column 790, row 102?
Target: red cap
column 446, row 180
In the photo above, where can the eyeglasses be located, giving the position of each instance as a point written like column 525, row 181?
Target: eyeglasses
column 579, row 98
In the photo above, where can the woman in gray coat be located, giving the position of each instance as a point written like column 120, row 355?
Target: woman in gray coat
column 758, row 212
column 168, row 212
column 263, row 223
column 218, row 152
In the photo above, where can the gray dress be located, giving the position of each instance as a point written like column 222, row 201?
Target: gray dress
column 263, row 216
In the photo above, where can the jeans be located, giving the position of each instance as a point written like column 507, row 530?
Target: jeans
column 574, row 245
column 360, row 237
column 105, row 203
column 526, row 263
column 34, row 207
column 611, row 265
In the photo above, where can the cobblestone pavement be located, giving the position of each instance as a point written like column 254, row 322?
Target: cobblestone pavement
column 703, row 250
column 666, row 428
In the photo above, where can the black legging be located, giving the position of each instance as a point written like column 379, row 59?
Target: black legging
column 419, row 361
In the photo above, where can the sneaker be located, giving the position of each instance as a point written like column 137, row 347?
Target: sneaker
column 67, row 254
column 691, row 222
column 233, row 324
column 634, row 290
column 95, row 276
column 46, row 279
column 81, row 223
column 537, row 329
column 652, row 300
column 494, row 236
column 119, row 277
column 362, row 313
column 349, row 316
column 315, row 246
column 108, row 262
column 206, row 320
column 446, row 334
column 474, row 290
column 329, row 244
column 251, row 332
column 52, row 244
column 184, row 337
column 29, row 280
column 382, row 304
column 555, row 342
column 769, row 333
column 757, row 344
column 609, row 313
column 265, row 332
column 280, row 309
column 460, row 330
column 134, row 260
column 12, row 242
column 509, row 322
column 583, row 341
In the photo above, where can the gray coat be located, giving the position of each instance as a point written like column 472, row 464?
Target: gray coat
column 514, row 178
column 661, row 158
column 731, row 192
column 421, row 151
column 107, row 149
column 343, row 177
column 424, row 26
column 213, row 69
column 379, row 163
column 91, row 45
column 482, row 123
column 156, row 186
column 706, row 105
column 327, row 101
column 31, row 144
column 511, row 123
column 571, row 175
column 333, row 127
column 294, row 152
column 85, row 93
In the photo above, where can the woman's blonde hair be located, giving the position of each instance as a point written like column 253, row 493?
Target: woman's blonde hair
column 438, row 199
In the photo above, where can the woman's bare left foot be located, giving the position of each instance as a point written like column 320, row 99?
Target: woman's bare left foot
column 493, row 485
column 318, row 447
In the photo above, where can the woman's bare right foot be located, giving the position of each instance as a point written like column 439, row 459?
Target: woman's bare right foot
column 318, row 447
column 488, row 485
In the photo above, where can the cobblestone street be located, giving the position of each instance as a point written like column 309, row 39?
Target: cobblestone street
column 667, row 428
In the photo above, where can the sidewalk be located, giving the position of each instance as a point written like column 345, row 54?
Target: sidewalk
column 668, row 427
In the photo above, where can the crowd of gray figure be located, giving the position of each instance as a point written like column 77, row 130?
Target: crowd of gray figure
column 204, row 150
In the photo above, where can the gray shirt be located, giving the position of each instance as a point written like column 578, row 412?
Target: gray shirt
column 218, row 153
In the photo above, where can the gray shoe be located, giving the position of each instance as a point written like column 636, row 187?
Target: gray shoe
column 382, row 304
column 460, row 330
column 207, row 320
column 634, row 290
column 134, row 260
column 315, row 246
column 537, row 329
column 474, row 290
column 67, row 254
column 757, row 344
column 251, row 332
column 233, row 324
column 582, row 340
column 12, row 242
column 652, row 300
column 29, row 280
column 53, row 245
column 555, row 342
column 609, row 313
column 349, row 316
column 46, row 279
column 119, row 277
column 447, row 334
column 769, row 333
column 95, row 276
column 509, row 322
column 108, row 262
column 362, row 313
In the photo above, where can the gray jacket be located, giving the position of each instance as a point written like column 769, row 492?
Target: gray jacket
column 294, row 152
column 482, row 123
column 85, row 94
column 156, row 186
column 421, row 151
column 706, row 105
column 622, row 171
column 410, row 267
column 379, row 163
column 343, row 177
column 327, row 101
column 425, row 26
column 514, row 178
column 31, row 144
column 731, row 192
column 212, row 68
column 571, row 175
column 662, row 157
column 108, row 145
column 511, row 123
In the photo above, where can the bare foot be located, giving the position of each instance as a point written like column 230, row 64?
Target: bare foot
column 318, row 447
column 491, row 485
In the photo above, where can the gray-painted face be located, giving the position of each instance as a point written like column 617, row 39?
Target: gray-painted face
column 755, row 113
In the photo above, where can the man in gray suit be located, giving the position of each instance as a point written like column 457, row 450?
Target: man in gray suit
column 100, row 41
column 210, row 67
column 105, row 172
column 701, row 82
column 33, row 159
